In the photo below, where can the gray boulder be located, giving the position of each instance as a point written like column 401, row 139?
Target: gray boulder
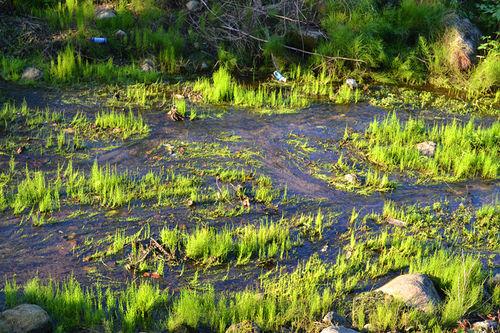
column 415, row 290
column 31, row 74
column 25, row 318
column 426, row 148
column 338, row 329
column 104, row 14
column 333, row 318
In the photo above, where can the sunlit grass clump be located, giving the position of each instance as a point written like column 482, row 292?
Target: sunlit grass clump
column 126, row 124
column 462, row 150
column 208, row 246
column 35, row 193
column 297, row 298
column 223, row 88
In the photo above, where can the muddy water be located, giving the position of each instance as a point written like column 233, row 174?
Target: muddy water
column 57, row 250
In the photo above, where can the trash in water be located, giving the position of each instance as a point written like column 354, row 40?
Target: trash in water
column 279, row 77
column 99, row 40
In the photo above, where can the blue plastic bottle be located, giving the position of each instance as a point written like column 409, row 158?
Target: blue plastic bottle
column 99, row 40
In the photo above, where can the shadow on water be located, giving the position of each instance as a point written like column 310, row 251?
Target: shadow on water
column 57, row 249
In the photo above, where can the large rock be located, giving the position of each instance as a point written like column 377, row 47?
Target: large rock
column 461, row 41
column 415, row 290
column 245, row 326
column 426, row 148
column 32, row 74
column 306, row 38
column 25, row 318
column 338, row 329
column 104, row 14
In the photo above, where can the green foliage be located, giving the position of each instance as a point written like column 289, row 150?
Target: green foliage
column 269, row 240
column 139, row 302
column 486, row 75
column 126, row 124
column 264, row 191
column 346, row 95
column 66, row 67
column 69, row 304
column 11, row 68
column 34, row 191
column 209, row 246
column 112, row 189
column 462, row 151
column 461, row 277
column 224, row 89
column 7, row 115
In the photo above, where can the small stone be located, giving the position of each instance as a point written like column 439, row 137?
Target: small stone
column 105, row 14
column 351, row 83
column 32, row 74
column 148, row 65
column 120, row 34
column 486, row 326
column 204, row 65
column 338, row 329
column 426, row 148
column 245, row 326
column 414, row 290
column 395, row 222
column 351, row 178
column 496, row 279
column 192, row 5
column 333, row 318
column 26, row 318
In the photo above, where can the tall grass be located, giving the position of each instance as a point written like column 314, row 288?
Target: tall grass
column 462, row 151
column 486, row 75
column 269, row 240
column 224, row 89
column 112, row 189
column 460, row 276
column 11, row 68
column 7, row 115
column 297, row 298
column 66, row 67
column 126, row 124
column 34, row 193
column 209, row 246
